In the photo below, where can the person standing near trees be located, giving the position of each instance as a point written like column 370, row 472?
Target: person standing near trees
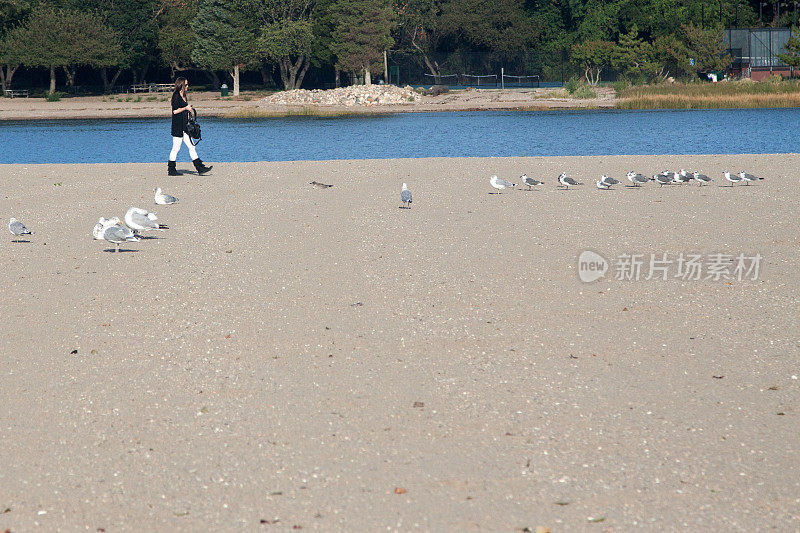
column 180, row 117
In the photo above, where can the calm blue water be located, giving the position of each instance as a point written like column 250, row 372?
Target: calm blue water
column 468, row 134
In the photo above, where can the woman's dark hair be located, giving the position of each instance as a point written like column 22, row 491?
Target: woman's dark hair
column 179, row 83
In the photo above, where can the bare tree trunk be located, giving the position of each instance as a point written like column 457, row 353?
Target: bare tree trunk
column 6, row 75
column 108, row 86
column 367, row 77
column 265, row 77
column 338, row 82
column 52, row 80
column 292, row 73
column 70, row 72
column 235, row 75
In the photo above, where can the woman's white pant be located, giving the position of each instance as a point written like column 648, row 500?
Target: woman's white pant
column 176, row 146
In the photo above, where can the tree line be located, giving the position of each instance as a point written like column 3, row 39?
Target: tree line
column 644, row 40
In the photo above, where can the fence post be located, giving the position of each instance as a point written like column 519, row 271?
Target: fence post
column 502, row 73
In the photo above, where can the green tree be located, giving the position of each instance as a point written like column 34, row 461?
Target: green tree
column 362, row 33
column 417, row 29
column 68, row 39
column 176, row 37
column 224, row 38
column 12, row 12
column 792, row 55
column 285, row 36
column 593, row 57
column 135, row 23
column 706, row 48
column 501, row 27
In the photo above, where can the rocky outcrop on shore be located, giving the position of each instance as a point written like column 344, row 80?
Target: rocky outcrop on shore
column 355, row 95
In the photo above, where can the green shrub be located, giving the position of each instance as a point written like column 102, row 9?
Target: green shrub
column 584, row 92
column 620, row 86
column 571, row 85
column 54, row 97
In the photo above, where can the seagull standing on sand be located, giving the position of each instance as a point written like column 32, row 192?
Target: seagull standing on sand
column 682, row 177
column 17, row 229
column 637, row 179
column 733, row 178
column 662, row 179
column 748, row 177
column 607, row 182
column 530, row 182
column 163, row 198
column 140, row 220
column 405, row 197
column 116, row 233
column 500, row 184
column 701, row 178
column 566, row 181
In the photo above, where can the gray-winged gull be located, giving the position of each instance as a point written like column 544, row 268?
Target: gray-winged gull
column 116, row 233
column 637, row 179
column 701, row 178
column 566, row 181
column 662, row 179
column 748, row 177
column 162, row 198
column 733, row 178
column 608, row 182
column 500, row 183
column 530, row 182
column 141, row 220
column 18, row 229
column 405, row 196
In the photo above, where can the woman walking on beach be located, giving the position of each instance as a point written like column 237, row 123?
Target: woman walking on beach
column 180, row 117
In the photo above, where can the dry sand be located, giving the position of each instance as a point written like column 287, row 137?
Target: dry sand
column 251, row 104
column 288, row 357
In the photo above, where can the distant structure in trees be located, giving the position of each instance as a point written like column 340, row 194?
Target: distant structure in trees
column 755, row 51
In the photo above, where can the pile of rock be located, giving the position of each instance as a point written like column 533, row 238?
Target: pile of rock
column 355, row 95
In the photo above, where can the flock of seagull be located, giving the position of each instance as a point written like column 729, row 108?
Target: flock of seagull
column 667, row 177
column 137, row 222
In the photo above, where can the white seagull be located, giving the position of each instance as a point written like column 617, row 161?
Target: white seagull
column 566, row 181
column 140, row 220
column 701, row 178
column 733, row 178
column 662, row 179
column 99, row 228
column 405, row 197
column 608, row 182
column 637, row 179
column 18, row 229
column 530, row 182
column 500, row 184
column 163, row 198
column 682, row 177
column 116, row 233
column 748, row 177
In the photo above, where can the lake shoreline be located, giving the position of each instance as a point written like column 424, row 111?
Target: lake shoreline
column 210, row 104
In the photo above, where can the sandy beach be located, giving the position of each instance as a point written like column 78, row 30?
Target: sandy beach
column 285, row 357
column 211, row 104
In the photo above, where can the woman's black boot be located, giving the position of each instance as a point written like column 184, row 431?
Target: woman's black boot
column 171, row 170
column 201, row 168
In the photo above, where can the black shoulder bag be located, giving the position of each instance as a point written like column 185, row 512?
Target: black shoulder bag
column 193, row 128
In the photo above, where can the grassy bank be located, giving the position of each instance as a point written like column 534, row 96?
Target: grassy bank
column 743, row 94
